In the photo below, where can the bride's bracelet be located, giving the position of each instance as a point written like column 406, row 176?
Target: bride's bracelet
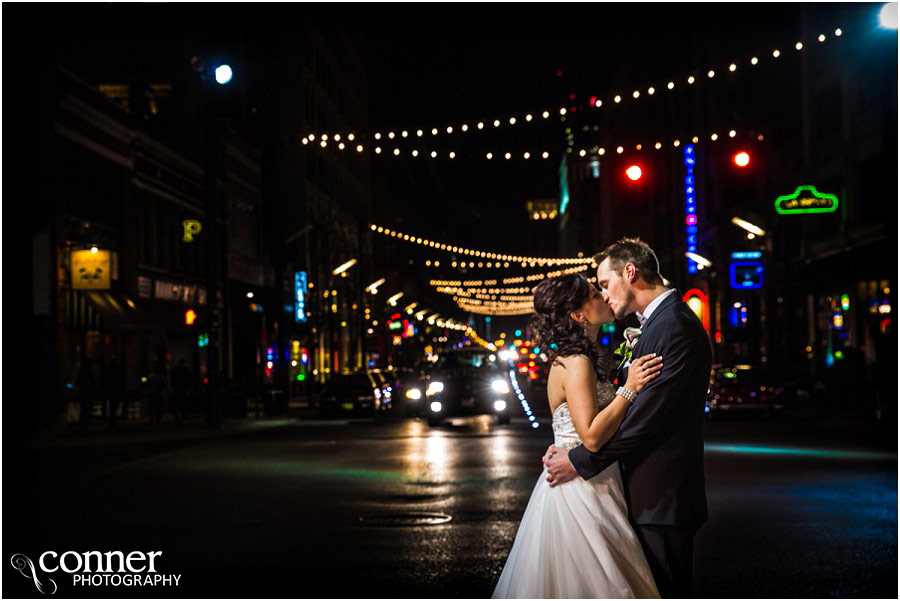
column 628, row 395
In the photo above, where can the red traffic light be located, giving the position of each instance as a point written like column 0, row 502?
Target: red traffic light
column 190, row 316
column 634, row 173
column 741, row 159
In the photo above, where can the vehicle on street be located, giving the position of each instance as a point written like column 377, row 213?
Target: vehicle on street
column 384, row 380
column 352, row 395
column 743, row 388
column 463, row 382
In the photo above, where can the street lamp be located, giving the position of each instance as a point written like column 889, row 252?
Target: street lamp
column 344, row 267
column 888, row 16
column 393, row 300
column 754, row 230
column 373, row 287
column 223, row 74
column 700, row 260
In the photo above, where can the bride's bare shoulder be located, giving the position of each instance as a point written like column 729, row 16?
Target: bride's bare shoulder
column 573, row 362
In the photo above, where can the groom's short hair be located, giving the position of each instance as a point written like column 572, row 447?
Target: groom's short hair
column 635, row 251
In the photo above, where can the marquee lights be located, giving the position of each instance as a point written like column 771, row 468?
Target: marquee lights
column 539, row 261
column 596, row 101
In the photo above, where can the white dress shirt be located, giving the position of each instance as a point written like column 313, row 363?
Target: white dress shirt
column 643, row 317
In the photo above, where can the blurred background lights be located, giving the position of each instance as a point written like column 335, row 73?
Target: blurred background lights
column 223, row 74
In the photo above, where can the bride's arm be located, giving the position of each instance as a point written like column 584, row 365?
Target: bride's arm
column 595, row 428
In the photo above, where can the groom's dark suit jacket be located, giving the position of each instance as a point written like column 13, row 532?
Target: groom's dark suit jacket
column 659, row 445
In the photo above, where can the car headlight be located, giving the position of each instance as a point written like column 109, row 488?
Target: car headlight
column 499, row 405
column 414, row 394
column 500, row 386
column 436, row 407
column 434, row 388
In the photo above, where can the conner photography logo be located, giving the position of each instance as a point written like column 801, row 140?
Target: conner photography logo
column 94, row 569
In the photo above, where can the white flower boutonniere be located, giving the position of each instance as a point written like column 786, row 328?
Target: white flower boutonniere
column 627, row 347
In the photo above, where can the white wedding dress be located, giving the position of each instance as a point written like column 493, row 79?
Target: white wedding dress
column 575, row 540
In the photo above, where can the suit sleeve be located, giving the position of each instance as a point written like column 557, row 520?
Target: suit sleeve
column 653, row 407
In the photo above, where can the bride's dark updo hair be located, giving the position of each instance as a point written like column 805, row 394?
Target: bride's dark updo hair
column 557, row 333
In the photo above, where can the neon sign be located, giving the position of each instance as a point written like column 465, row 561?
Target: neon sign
column 747, row 275
column 699, row 304
column 690, row 205
column 747, row 255
column 300, row 297
column 806, row 200
column 192, row 227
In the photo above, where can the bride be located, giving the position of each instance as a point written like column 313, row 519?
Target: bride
column 575, row 540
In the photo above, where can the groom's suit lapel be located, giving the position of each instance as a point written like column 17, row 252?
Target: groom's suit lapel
column 646, row 331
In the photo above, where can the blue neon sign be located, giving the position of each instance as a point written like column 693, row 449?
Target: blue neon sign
column 747, row 275
column 300, row 297
column 690, row 205
column 747, row 255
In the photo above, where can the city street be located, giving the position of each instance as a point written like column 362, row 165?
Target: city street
column 393, row 508
column 299, row 281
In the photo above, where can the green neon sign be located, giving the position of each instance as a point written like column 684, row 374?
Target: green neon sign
column 806, row 200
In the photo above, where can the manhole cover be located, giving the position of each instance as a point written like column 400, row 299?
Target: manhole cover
column 406, row 519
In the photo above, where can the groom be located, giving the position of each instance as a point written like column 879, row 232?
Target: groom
column 659, row 445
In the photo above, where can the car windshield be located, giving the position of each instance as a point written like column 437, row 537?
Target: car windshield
column 348, row 383
column 461, row 360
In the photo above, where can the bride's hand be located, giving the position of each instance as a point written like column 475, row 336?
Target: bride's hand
column 642, row 371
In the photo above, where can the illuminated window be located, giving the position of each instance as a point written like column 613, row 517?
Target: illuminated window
column 158, row 95
column 118, row 93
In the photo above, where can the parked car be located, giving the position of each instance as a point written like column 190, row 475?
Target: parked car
column 355, row 395
column 743, row 388
column 464, row 382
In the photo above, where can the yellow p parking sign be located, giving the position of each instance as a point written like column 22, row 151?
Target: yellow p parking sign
column 191, row 229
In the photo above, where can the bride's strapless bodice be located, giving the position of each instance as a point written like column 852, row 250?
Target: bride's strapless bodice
column 564, row 434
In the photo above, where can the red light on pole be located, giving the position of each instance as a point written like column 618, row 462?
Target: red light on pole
column 189, row 317
column 741, row 159
column 634, row 173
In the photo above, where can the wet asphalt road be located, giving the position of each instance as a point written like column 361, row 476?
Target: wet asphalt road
column 312, row 508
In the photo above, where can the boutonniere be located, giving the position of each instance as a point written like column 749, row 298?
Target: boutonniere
column 627, row 347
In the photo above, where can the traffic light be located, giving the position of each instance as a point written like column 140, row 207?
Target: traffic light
column 740, row 159
column 190, row 316
column 634, row 172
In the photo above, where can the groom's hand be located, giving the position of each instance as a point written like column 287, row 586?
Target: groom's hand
column 551, row 451
column 559, row 468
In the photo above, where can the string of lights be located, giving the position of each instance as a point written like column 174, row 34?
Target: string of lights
column 535, row 261
column 499, row 310
column 528, row 155
column 471, row 291
column 351, row 140
column 512, row 280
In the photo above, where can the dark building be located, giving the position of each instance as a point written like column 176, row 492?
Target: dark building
column 120, row 196
column 193, row 187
